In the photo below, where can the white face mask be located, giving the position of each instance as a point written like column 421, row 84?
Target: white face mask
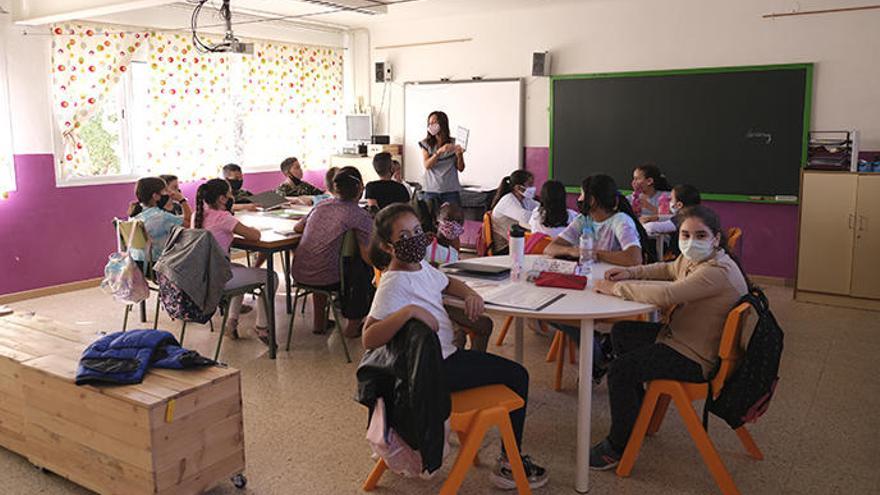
column 529, row 193
column 433, row 129
column 672, row 208
column 696, row 249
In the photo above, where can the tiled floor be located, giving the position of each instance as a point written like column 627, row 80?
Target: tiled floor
column 304, row 432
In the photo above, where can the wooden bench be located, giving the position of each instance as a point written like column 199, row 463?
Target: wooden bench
column 177, row 432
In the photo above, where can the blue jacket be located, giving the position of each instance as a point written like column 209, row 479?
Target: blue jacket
column 124, row 357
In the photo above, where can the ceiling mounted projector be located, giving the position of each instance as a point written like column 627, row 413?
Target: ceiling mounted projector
column 230, row 43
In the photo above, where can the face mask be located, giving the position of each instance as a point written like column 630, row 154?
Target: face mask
column 411, row 249
column 229, row 203
column 450, row 229
column 236, row 184
column 673, row 209
column 296, row 180
column 163, row 200
column 529, row 193
column 433, row 129
column 696, row 249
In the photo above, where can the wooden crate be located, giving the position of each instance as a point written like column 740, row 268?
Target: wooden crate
column 177, row 432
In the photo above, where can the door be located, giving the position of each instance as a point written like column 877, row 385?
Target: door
column 828, row 203
column 866, row 251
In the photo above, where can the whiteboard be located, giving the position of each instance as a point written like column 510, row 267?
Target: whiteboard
column 491, row 110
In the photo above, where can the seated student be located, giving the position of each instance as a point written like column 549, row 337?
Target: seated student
column 446, row 243
column 552, row 217
column 397, row 175
column 513, row 204
column 317, row 257
column 386, row 190
column 682, row 196
column 212, row 214
column 706, row 282
column 650, row 191
column 152, row 197
column 294, row 185
column 178, row 204
column 412, row 288
column 241, row 197
column 606, row 216
column 313, row 200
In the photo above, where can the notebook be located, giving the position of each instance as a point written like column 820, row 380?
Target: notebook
column 268, row 200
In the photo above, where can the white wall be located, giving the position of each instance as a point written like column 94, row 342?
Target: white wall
column 623, row 35
column 28, row 51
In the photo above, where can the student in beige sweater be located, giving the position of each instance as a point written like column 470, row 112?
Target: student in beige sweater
column 705, row 283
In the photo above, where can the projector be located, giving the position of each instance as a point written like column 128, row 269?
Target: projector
column 239, row 47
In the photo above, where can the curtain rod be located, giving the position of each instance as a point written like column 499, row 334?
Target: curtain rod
column 424, row 43
column 823, row 11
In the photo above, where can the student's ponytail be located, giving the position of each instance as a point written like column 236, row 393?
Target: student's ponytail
column 516, row 178
column 649, row 248
column 200, row 207
column 135, row 208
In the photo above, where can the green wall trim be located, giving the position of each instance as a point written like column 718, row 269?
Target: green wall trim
column 735, row 198
column 742, row 198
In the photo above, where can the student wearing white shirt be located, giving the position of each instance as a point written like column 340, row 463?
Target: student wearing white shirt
column 513, row 204
column 552, row 217
column 682, row 196
column 411, row 288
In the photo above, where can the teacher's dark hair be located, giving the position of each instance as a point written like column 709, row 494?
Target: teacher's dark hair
column 442, row 137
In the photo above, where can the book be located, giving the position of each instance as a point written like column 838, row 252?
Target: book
column 514, row 296
column 462, row 135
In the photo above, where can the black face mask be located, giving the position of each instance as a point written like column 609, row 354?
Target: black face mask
column 229, row 203
column 294, row 179
column 236, row 184
column 163, row 200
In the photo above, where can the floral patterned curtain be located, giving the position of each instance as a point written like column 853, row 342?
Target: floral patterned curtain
column 190, row 110
column 87, row 64
column 7, row 169
column 291, row 104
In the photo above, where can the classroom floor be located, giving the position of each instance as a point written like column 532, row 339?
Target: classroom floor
column 305, row 433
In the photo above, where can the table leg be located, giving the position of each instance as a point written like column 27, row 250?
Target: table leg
column 518, row 339
column 285, row 258
column 270, row 301
column 584, row 416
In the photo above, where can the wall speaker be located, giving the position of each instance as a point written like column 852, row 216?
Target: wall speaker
column 383, row 72
column 541, row 64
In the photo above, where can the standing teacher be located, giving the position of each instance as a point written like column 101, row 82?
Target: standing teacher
column 443, row 160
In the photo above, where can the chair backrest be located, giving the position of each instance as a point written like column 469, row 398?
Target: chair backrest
column 733, row 236
column 487, row 232
column 730, row 351
column 538, row 246
column 137, row 238
column 349, row 249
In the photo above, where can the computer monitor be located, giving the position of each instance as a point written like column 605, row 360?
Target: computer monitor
column 358, row 127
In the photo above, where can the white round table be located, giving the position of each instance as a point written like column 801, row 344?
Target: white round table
column 583, row 305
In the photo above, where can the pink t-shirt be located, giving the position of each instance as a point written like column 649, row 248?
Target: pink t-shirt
column 221, row 223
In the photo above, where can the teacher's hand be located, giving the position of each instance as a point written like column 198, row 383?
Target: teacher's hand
column 605, row 287
column 458, row 150
column 446, row 148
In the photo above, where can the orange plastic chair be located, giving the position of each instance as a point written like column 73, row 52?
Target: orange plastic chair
column 474, row 411
column 733, row 236
column 484, row 243
column 661, row 392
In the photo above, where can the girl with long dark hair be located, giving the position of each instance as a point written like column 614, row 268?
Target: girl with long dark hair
column 513, row 204
column 650, row 192
column 553, row 216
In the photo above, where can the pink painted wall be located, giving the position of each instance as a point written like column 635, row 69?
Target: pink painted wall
column 53, row 235
column 769, row 241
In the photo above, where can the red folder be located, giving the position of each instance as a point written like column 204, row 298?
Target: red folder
column 561, row 280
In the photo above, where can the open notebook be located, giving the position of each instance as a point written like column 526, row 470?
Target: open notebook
column 515, row 296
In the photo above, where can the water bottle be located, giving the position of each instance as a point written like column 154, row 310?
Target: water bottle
column 517, row 252
column 585, row 261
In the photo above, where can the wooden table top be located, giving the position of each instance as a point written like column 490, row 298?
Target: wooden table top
column 276, row 228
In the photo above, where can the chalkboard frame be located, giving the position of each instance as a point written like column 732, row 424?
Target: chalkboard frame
column 807, row 67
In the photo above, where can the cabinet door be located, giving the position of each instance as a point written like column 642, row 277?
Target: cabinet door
column 866, row 252
column 828, row 203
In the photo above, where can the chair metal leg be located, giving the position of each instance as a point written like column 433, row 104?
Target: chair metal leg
column 143, row 306
column 303, row 309
column 182, row 332
column 156, row 314
column 211, row 323
column 331, row 301
column 222, row 331
column 125, row 319
column 290, row 325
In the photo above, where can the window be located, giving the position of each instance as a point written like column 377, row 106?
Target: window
column 7, row 168
column 172, row 109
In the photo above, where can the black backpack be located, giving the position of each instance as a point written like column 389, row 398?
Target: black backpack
column 746, row 394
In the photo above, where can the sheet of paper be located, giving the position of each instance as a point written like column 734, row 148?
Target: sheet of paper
column 517, row 296
column 554, row 265
column 461, row 136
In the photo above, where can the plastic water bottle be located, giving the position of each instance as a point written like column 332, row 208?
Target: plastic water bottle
column 585, row 261
column 517, row 252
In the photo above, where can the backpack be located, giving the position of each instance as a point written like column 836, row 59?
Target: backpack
column 178, row 304
column 746, row 394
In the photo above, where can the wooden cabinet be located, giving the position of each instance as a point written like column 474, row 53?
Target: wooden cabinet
column 839, row 245
column 866, row 251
